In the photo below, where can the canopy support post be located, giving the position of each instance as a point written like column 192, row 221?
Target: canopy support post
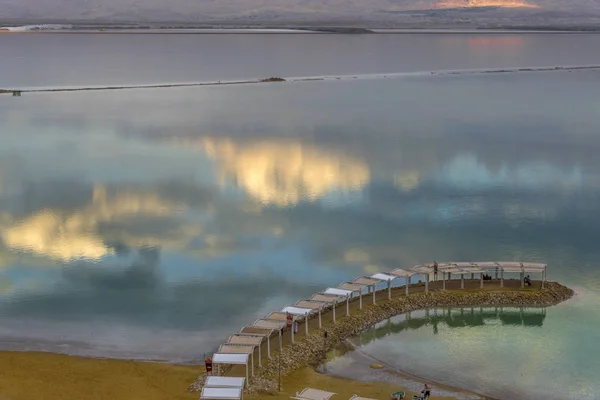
column 292, row 331
column 306, row 324
column 319, row 318
column 333, row 308
column 443, row 280
column 426, row 282
column 347, row 305
column 269, row 346
column 280, row 340
column 543, row 276
column 481, row 280
column 360, row 299
column 501, row 278
column 259, row 355
column 374, row 299
column 522, row 280
column 389, row 289
column 462, row 281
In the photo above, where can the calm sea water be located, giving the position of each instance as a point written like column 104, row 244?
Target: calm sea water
column 154, row 223
column 87, row 60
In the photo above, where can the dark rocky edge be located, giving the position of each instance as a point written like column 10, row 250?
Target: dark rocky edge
column 312, row 349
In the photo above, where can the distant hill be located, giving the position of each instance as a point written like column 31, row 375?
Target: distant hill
column 204, row 11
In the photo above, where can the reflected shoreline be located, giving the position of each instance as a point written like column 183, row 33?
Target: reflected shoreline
column 366, row 367
column 357, row 363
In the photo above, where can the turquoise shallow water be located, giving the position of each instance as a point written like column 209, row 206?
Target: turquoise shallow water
column 153, row 223
column 500, row 352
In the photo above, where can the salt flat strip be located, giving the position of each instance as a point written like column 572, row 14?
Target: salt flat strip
column 390, row 75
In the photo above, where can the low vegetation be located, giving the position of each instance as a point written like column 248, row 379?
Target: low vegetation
column 273, row 79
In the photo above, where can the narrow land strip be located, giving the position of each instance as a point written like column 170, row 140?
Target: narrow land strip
column 392, row 75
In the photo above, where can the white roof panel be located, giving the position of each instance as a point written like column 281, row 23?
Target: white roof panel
column 236, row 348
column 312, row 304
column 338, row 292
column 245, row 339
column 356, row 287
column 463, row 264
column 328, row 298
column 212, row 393
column 402, row 272
column 423, row 269
column 268, row 324
column 224, row 381
column 486, row 264
column 296, row 310
column 509, row 264
column 383, row 277
column 363, row 280
column 474, row 270
column 460, row 272
column 228, row 358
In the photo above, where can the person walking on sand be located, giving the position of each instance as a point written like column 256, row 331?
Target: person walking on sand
column 426, row 392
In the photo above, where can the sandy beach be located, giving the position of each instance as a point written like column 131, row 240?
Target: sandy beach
column 32, row 375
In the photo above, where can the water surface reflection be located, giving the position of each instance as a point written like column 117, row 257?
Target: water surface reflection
column 187, row 213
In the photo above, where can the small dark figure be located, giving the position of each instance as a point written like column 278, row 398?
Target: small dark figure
column 426, row 392
column 528, row 280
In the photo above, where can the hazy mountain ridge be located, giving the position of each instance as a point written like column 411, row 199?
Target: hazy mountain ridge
column 207, row 10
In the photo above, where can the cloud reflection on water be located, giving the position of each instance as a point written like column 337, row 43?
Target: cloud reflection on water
column 253, row 203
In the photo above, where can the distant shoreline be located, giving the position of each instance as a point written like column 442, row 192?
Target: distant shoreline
column 307, row 31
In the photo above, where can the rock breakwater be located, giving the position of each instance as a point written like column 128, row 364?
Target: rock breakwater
column 312, row 349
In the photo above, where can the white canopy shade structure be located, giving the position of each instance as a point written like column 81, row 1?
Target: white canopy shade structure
column 357, row 397
column 313, row 394
column 473, row 271
column 268, row 324
column 313, row 305
column 248, row 341
column 425, row 270
column 224, row 382
column 355, row 288
column 470, row 267
column 329, row 299
column 232, row 359
column 298, row 312
column 402, row 273
column 239, row 349
column 370, row 283
column 385, row 278
column 219, row 393
column 278, row 316
column 263, row 333
column 341, row 293
column 461, row 272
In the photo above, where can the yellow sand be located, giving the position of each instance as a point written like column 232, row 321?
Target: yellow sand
column 47, row 376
